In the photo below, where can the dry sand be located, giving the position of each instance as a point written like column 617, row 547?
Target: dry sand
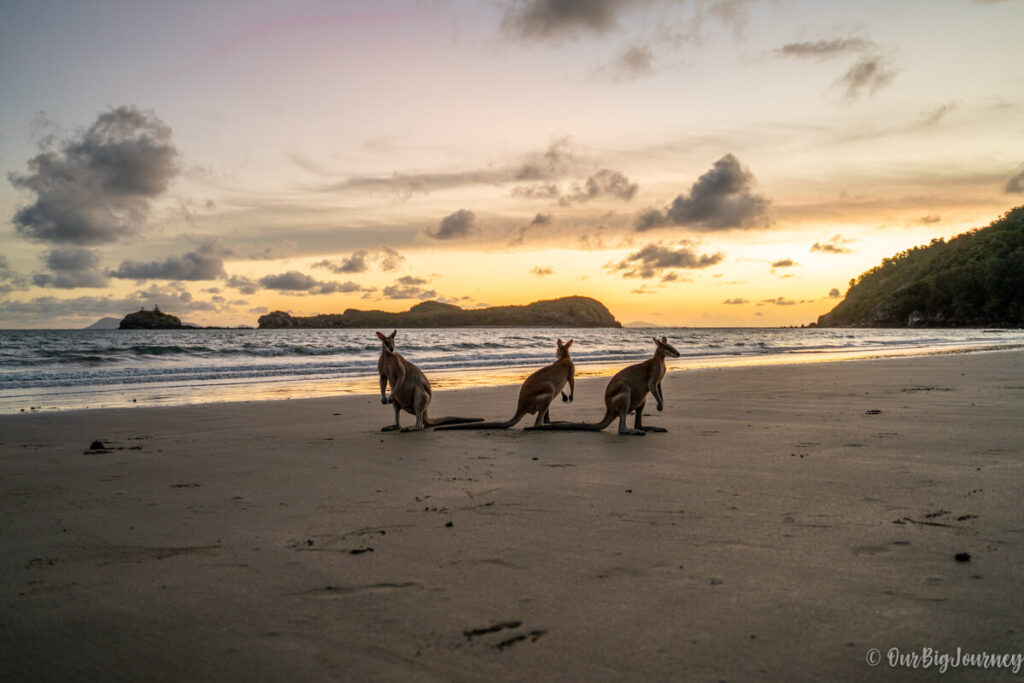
column 793, row 518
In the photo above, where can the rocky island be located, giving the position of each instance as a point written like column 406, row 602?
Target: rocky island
column 570, row 311
column 150, row 320
column 974, row 280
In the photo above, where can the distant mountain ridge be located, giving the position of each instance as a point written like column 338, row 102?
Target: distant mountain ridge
column 975, row 279
column 571, row 311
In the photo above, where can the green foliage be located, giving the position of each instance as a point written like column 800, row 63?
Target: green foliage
column 976, row 278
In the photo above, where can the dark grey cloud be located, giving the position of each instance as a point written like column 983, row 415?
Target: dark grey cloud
column 541, row 191
column 735, row 302
column 635, row 61
column 295, row 282
column 388, row 259
column 88, row 308
column 778, row 301
column 412, row 280
column 519, row 234
column 604, row 183
column 784, row 263
column 206, row 263
column 71, row 267
column 824, row 49
column 11, row 280
column 242, row 284
column 653, row 259
column 356, row 263
column 834, row 245
column 721, row 199
column 408, row 292
column 96, row 186
column 869, row 74
column 555, row 20
column 456, row 225
column 1015, row 184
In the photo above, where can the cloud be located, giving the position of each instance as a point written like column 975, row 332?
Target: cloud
column 870, row 73
column 388, row 259
column 519, row 234
column 1015, row 184
column 636, row 61
column 206, row 263
column 242, row 284
column 294, row 281
column 408, row 292
column 273, row 252
column 784, row 263
column 356, row 263
column 412, row 280
column 652, row 260
column 929, row 219
column 97, row 186
column 823, row 49
column 735, row 302
column 556, row 20
column 10, row 280
column 171, row 299
column 456, row 225
column 72, row 267
column 554, row 162
column 834, row 245
column 932, row 117
column 779, row 301
column 541, row 271
column 721, row 199
column 604, row 183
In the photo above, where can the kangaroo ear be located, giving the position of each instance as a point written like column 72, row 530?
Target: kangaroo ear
column 560, row 343
column 664, row 340
column 655, row 340
column 380, row 336
column 393, row 333
column 568, row 343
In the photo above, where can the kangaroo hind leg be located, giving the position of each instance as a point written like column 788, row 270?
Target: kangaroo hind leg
column 639, row 421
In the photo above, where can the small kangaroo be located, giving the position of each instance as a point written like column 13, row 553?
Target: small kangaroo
column 410, row 389
column 538, row 391
column 627, row 393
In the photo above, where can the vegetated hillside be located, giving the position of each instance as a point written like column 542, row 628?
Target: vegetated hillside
column 150, row 320
column 974, row 279
column 571, row 311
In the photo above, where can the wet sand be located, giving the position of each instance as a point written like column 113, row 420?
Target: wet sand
column 792, row 519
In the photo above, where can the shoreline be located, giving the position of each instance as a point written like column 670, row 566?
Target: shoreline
column 793, row 518
column 278, row 389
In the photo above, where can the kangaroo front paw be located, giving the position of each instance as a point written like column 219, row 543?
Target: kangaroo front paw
column 661, row 407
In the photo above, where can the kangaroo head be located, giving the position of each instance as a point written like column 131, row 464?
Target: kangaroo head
column 563, row 349
column 666, row 348
column 388, row 341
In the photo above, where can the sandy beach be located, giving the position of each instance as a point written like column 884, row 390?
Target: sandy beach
column 793, row 518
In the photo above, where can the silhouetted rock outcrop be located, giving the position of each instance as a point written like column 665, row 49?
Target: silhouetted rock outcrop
column 571, row 311
column 150, row 320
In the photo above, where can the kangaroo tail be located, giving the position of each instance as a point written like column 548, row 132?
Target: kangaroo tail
column 575, row 426
column 511, row 422
column 437, row 421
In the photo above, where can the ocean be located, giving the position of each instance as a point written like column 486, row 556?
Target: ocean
column 80, row 369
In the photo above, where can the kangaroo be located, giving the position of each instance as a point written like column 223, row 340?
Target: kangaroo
column 410, row 389
column 537, row 392
column 627, row 393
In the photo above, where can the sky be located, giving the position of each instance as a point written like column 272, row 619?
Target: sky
column 685, row 162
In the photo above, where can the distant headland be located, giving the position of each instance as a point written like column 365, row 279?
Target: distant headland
column 974, row 280
column 150, row 320
column 570, row 311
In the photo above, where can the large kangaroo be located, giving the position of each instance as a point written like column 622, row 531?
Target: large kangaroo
column 627, row 393
column 538, row 391
column 410, row 389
